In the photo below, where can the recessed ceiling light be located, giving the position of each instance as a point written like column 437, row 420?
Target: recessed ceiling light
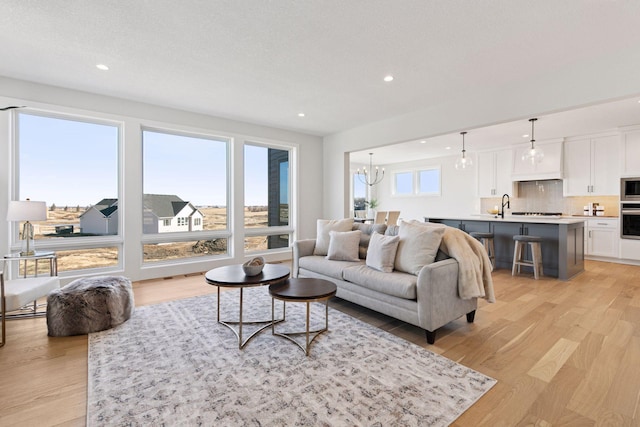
column 388, row 78
column 526, row 135
column 300, row 114
column 102, row 67
column 423, row 142
column 447, row 148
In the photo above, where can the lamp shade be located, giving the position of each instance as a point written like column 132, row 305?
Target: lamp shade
column 26, row 211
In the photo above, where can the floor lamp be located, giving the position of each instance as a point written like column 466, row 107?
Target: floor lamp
column 27, row 211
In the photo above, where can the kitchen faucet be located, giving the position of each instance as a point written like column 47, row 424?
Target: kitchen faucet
column 505, row 204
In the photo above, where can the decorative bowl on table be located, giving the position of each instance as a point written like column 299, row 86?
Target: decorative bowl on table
column 493, row 211
column 253, row 267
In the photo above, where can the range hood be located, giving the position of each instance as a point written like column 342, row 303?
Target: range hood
column 549, row 168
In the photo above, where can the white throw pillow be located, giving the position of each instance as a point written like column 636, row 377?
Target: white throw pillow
column 324, row 227
column 419, row 244
column 343, row 245
column 381, row 254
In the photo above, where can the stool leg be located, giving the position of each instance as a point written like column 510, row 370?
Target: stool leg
column 537, row 259
column 491, row 250
column 516, row 258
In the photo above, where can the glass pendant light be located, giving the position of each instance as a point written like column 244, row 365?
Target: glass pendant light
column 463, row 162
column 533, row 155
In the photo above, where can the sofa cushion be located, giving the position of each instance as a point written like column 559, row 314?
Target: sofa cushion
column 324, row 226
column 398, row 284
column 418, row 246
column 343, row 245
column 367, row 230
column 382, row 250
column 322, row 265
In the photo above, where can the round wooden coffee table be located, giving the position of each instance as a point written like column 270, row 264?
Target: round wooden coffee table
column 232, row 276
column 302, row 290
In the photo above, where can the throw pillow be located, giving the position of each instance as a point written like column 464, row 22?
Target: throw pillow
column 343, row 245
column 324, row 227
column 418, row 246
column 382, row 252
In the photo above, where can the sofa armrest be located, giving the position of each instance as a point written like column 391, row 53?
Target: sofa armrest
column 437, row 294
column 301, row 248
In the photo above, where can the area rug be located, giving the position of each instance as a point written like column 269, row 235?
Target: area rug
column 173, row 364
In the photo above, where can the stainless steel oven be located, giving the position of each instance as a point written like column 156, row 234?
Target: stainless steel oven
column 630, row 220
column 630, row 189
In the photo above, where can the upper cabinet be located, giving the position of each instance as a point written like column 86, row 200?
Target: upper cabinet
column 549, row 168
column 631, row 153
column 592, row 166
column 494, row 173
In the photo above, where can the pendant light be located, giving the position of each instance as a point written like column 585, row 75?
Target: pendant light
column 533, row 155
column 367, row 177
column 463, row 162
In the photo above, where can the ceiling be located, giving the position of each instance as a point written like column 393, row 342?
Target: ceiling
column 572, row 123
column 265, row 61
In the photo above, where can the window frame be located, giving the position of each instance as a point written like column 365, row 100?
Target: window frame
column 415, row 179
column 274, row 230
column 186, row 236
column 69, row 243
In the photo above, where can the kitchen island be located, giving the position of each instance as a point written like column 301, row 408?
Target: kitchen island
column 562, row 239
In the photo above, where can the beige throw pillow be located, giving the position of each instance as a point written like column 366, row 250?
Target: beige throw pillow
column 324, row 227
column 343, row 245
column 381, row 254
column 418, row 246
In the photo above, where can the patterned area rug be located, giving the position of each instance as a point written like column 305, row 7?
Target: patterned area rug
column 173, row 364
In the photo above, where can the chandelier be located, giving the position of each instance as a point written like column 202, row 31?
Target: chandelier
column 367, row 177
column 463, row 162
column 533, row 155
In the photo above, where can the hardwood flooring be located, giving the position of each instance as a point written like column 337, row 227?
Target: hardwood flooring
column 564, row 353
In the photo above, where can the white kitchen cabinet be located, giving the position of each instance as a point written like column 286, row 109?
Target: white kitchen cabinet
column 630, row 249
column 602, row 237
column 631, row 153
column 592, row 166
column 549, row 168
column 494, row 173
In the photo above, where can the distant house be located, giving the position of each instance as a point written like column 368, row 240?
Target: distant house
column 163, row 213
column 101, row 218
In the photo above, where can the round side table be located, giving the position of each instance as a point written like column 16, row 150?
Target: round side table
column 306, row 290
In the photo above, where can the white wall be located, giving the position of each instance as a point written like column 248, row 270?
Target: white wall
column 134, row 114
column 458, row 191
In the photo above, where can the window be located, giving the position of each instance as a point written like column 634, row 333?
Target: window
column 185, row 182
column 71, row 163
column 429, row 181
column 403, row 183
column 266, row 188
column 359, row 193
column 422, row 182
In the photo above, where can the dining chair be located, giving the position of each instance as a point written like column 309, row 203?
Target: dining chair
column 392, row 219
column 381, row 216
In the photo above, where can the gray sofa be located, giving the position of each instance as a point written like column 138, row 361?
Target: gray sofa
column 428, row 300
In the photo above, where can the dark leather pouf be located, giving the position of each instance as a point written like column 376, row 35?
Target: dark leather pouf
column 89, row 304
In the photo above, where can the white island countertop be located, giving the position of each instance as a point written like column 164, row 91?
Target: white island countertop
column 539, row 219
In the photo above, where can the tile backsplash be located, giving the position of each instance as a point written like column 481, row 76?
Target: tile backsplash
column 546, row 196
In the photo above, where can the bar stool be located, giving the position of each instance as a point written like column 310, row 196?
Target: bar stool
column 536, row 255
column 487, row 241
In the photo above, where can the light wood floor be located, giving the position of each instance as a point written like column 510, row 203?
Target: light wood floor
column 564, row 353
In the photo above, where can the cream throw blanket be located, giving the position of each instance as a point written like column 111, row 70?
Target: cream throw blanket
column 474, row 272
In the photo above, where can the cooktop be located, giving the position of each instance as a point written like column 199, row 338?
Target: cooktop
column 537, row 213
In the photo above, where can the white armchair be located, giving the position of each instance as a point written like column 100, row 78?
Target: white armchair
column 16, row 293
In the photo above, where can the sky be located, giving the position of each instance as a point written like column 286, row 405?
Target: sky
column 72, row 163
